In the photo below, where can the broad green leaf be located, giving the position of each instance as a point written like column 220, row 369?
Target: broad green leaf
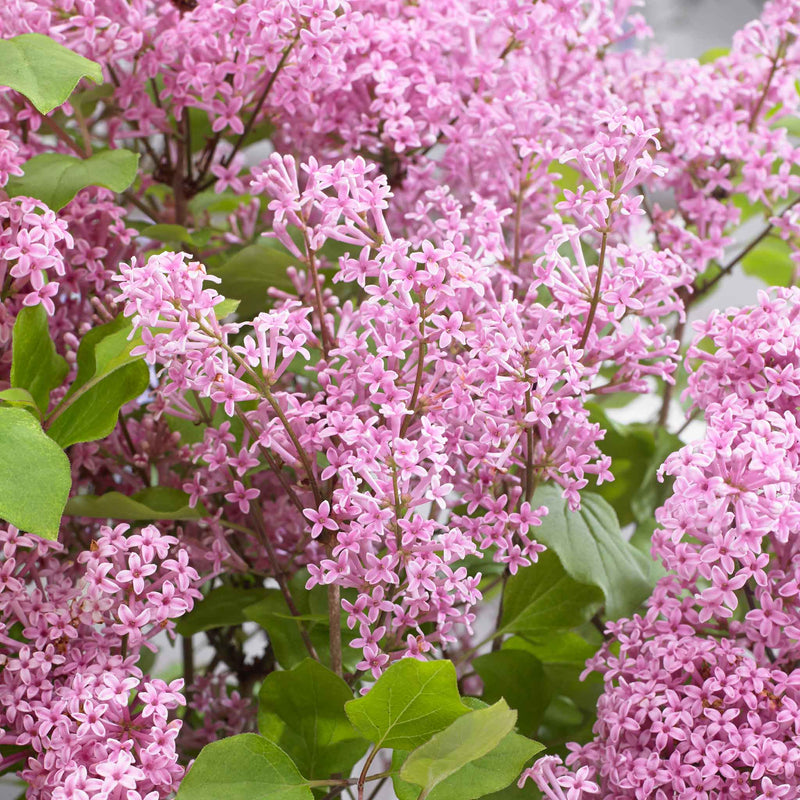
column 226, row 307
column 565, row 722
column 55, row 178
column 34, row 475
column 518, row 677
column 283, row 628
column 251, row 272
column 492, row 773
column 107, row 378
column 302, row 711
column 86, row 100
column 713, row 54
column 563, row 659
column 167, row 233
column 157, row 502
column 749, row 208
column 631, row 449
column 43, row 70
column 221, row 607
column 771, row 262
column 467, row 739
column 35, row 364
column 409, row 703
column 592, row 550
column 568, row 177
column 790, row 123
column 542, row 598
column 223, row 203
column 22, row 398
column 649, row 496
column 487, row 775
column 243, row 767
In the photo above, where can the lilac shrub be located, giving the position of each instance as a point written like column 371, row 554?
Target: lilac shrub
column 318, row 321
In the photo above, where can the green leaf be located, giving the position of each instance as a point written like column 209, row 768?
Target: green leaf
column 409, row 703
column 591, row 548
column 790, row 123
column 243, row 767
column 35, row 364
column 771, row 262
column 302, row 711
column 749, row 208
column 283, row 628
column 631, row 449
column 21, row 398
column 55, row 178
column 43, row 70
column 495, row 771
column 563, row 659
column 251, row 272
column 518, row 677
column 154, row 503
column 226, row 307
column 167, row 233
column 221, row 607
column 107, row 378
column 34, row 475
column 86, row 100
column 542, row 598
column 713, row 54
column 467, row 739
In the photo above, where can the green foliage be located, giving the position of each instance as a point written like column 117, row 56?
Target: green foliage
column 273, row 614
column 244, row 767
column 34, row 475
column 35, row 365
column 563, row 659
column 221, row 607
column 631, row 448
column 20, row 398
column 302, row 710
column 55, row 178
column 410, row 702
column 484, row 776
column 226, row 307
column 42, row 70
column 153, row 503
column 713, row 54
column 543, row 598
column 651, row 494
column 251, row 272
column 107, row 378
column 771, row 262
column 168, row 233
column 591, row 549
column 518, row 677
column 467, row 739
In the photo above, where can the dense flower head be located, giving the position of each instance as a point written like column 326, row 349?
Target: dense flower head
column 701, row 693
column 425, row 389
column 86, row 720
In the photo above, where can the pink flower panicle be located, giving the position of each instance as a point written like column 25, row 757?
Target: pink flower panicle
column 702, row 697
column 88, row 721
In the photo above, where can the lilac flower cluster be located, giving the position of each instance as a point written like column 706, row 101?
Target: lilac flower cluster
column 29, row 237
column 84, row 719
column 702, row 694
column 440, row 387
